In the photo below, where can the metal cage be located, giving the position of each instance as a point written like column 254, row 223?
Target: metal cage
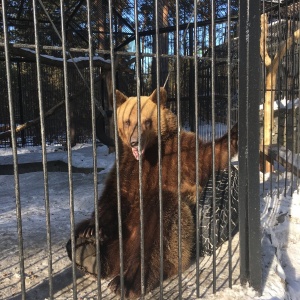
column 61, row 64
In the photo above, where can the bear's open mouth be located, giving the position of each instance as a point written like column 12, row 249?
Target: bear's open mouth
column 135, row 152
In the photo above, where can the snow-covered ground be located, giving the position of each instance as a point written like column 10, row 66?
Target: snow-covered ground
column 280, row 223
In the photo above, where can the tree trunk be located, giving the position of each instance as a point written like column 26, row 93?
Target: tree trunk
column 272, row 66
column 164, row 46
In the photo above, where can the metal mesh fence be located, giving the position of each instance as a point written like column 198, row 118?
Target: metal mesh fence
column 61, row 64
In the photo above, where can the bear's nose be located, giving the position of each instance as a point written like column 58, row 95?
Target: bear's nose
column 134, row 144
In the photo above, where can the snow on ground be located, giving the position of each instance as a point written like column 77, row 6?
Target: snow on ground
column 82, row 156
column 280, row 220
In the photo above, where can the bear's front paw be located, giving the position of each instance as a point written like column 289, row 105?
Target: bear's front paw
column 89, row 231
column 129, row 290
column 115, row 285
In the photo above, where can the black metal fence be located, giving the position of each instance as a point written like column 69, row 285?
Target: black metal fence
column 24, row 73
column 71, row 57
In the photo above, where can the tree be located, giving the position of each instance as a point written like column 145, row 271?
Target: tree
column 272, row 65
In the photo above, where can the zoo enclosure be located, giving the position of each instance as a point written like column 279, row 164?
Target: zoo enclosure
column 170, row 45
column 24, row 74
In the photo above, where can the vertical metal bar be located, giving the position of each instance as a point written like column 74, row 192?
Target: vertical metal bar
column 191, row 74
column 272, row 101
column 263, row 122
column 69, row 147
column 279, row 110
column 253, row 145
column 213, row 99
column 249, row 144
column 229, row 138
column 161, row 243
column 95, row 175
column 298, row 117
column 197, row 231
column 44, row 152
column 242, row 116
column 286, row 99
column 293, row 102
column 179, row 150
column 117, row 147
column 21, row 107
column 138, row 90
column 14, row 148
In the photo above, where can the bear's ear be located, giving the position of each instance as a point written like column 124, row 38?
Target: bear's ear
column 163, row 96
column 120, row 98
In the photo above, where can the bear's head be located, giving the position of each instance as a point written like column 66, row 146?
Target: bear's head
column 127, row 120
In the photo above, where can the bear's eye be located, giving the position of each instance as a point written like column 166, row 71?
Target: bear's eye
column 148, row 123
column 127, row 122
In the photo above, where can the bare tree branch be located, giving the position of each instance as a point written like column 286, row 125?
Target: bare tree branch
column 49, row 113
column 284, row 46
column 81, row 62
column 263, row 40
column 271, row 77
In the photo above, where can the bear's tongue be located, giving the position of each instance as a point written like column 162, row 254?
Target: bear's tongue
column 135, row 152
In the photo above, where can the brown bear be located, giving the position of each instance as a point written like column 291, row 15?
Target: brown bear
column 127, row 120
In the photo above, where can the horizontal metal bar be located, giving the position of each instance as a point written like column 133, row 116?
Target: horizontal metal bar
column 125, row 53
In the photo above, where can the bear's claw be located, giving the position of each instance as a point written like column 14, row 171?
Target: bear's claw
column 89, row 232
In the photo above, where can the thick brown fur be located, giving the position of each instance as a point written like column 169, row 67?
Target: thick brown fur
column 130, row 200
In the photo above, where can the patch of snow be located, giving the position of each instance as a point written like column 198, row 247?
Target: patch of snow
column 283, row 103
column 82, row 156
